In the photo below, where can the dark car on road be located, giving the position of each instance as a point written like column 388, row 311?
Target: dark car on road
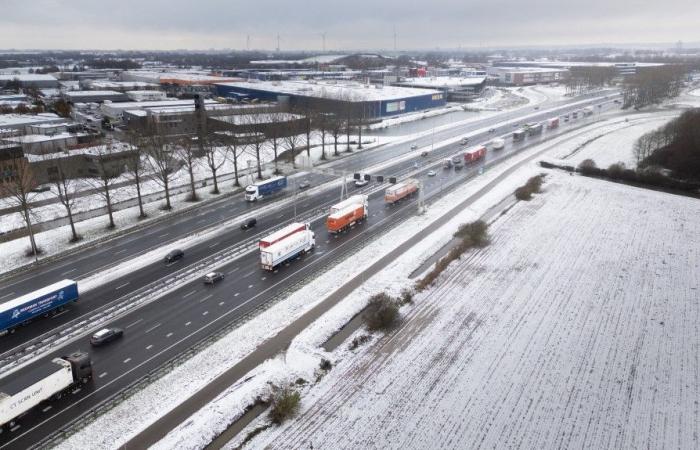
column 105, row 336
column 174, row 255
column 213, row 277
column 250, row 223
column 305, row 184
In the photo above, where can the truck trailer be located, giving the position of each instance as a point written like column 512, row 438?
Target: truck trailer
column 287, row 249
column 400, row 190
column 24, row 389
column 340, row 219
column 588, row 111
column 283, row 233
column 498, row 144
column 553, row 123
column 534, row 128
column 262, row 189
column 474, row 154
column 518, row 135
column 357, row 199
column 42, row 302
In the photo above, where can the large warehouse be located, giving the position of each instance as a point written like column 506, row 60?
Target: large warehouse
column 456, row 89
column 334, row 96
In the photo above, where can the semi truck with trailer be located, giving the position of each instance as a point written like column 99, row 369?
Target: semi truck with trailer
column 518, row 135
column 283, row 233
column 475, row 154
column 498, row 144
column 534, row 128
column 588, row 111
column 265, row 188
column 447, row 163
column 400, row 190
column 22, row 390
column 553, row 123
column 340, row 219
column 287, row 249
column 42, row 302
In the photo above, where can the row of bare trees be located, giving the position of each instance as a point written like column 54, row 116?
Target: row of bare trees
column 150, row 154
column 582, row 79
column 652, row 85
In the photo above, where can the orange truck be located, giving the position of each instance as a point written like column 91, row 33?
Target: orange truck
column 400, row 190
column 347, row 213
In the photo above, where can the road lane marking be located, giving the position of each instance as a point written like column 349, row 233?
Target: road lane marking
column 127, row 360
column 233, row 270
column 250, row 286
column 187, row 295
column 102, row 375
column 205, row 313
column 132, row 324
column 214, row 244
column 7, row 295
column 46, row 409
column 15, row 428
column 236, row 294
column 153, row 327
column 248, row 274
column 221, row 303
column 69, row 271
column 76, row 391
column 206, row 298
column 187, row 324
column 168, row 335
column 149, row 347
column 119, row 252
column 60, row 314
column 123, row 285
column 163, row 235
column 263, row 278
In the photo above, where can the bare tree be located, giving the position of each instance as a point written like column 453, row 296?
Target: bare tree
column 321, row 124
column 335, row 128
column 254, row 123
column 187, row 151
column 275, row 133
column 160, row 159
column 291, row 141
column 216, row 158
column 135, row 164
column 107, row 175
column 66, row 189
column 19, row 189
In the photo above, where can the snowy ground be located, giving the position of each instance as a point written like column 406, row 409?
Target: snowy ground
column 576, row 328
column 612, row 140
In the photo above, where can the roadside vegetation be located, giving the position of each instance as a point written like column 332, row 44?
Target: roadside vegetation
column 533, row 186
column 285, row 404
column 471, row 235
column 382, row 312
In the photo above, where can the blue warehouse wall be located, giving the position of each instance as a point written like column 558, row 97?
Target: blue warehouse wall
column 401, row 106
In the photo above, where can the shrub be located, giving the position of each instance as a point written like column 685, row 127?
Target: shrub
column 381, row 313
column 285, row 405
column 326, row 365
column 535, row 184
column 587, row 167
column 523, row 193
column 475, row 232
column 615, row 171
column 406, row 296
column 359, row 340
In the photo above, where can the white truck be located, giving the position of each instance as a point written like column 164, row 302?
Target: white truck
column 24, row 389
column 287, row 249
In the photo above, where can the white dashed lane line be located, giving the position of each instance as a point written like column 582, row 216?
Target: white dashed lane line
column 168, row 335
column 190, row 293
column 206, row 298
column 102, row 375
column 134, row 323
column 123, row 285
column 149, row 347
column 153, row 328
column 127, row 360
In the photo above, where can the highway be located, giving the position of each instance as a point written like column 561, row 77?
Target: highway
column 161, row 330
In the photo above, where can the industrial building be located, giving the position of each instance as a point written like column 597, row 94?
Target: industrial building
column 622, row 68
column 521, row 76
column 95, row 96
column 456, row 89
column 22, row 121
column 33, row 80
column 369, row 101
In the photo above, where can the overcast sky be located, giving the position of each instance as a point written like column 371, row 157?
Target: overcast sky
column 356, row 24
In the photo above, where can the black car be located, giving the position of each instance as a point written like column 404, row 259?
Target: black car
column 250, row 223
column 174, row 255
column 304, row 184
column 105, row 336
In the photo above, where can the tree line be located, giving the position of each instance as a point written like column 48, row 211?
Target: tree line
column 652, row 85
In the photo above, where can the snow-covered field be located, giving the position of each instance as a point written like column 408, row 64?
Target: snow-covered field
column 576, row 328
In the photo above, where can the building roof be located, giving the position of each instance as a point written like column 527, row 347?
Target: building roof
column 260, row 118
column 93, row 93
column 347, row 91
column 36, row 138
column 443, row 82
column 19, row 120
column 27, row 77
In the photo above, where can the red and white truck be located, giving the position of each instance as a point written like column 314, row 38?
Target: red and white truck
column 474, row 154
column 552, row 123
column 347, row 213
column 287, row 249
column 400, row 190
column 283, row 233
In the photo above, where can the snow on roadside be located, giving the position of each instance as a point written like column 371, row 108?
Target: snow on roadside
column 116, row 426
column 559, row 347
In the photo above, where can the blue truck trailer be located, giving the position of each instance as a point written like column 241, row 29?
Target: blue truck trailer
column 261, row 189
column 42, row 302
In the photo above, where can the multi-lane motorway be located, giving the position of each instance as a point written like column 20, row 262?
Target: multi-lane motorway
column 161, row 330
